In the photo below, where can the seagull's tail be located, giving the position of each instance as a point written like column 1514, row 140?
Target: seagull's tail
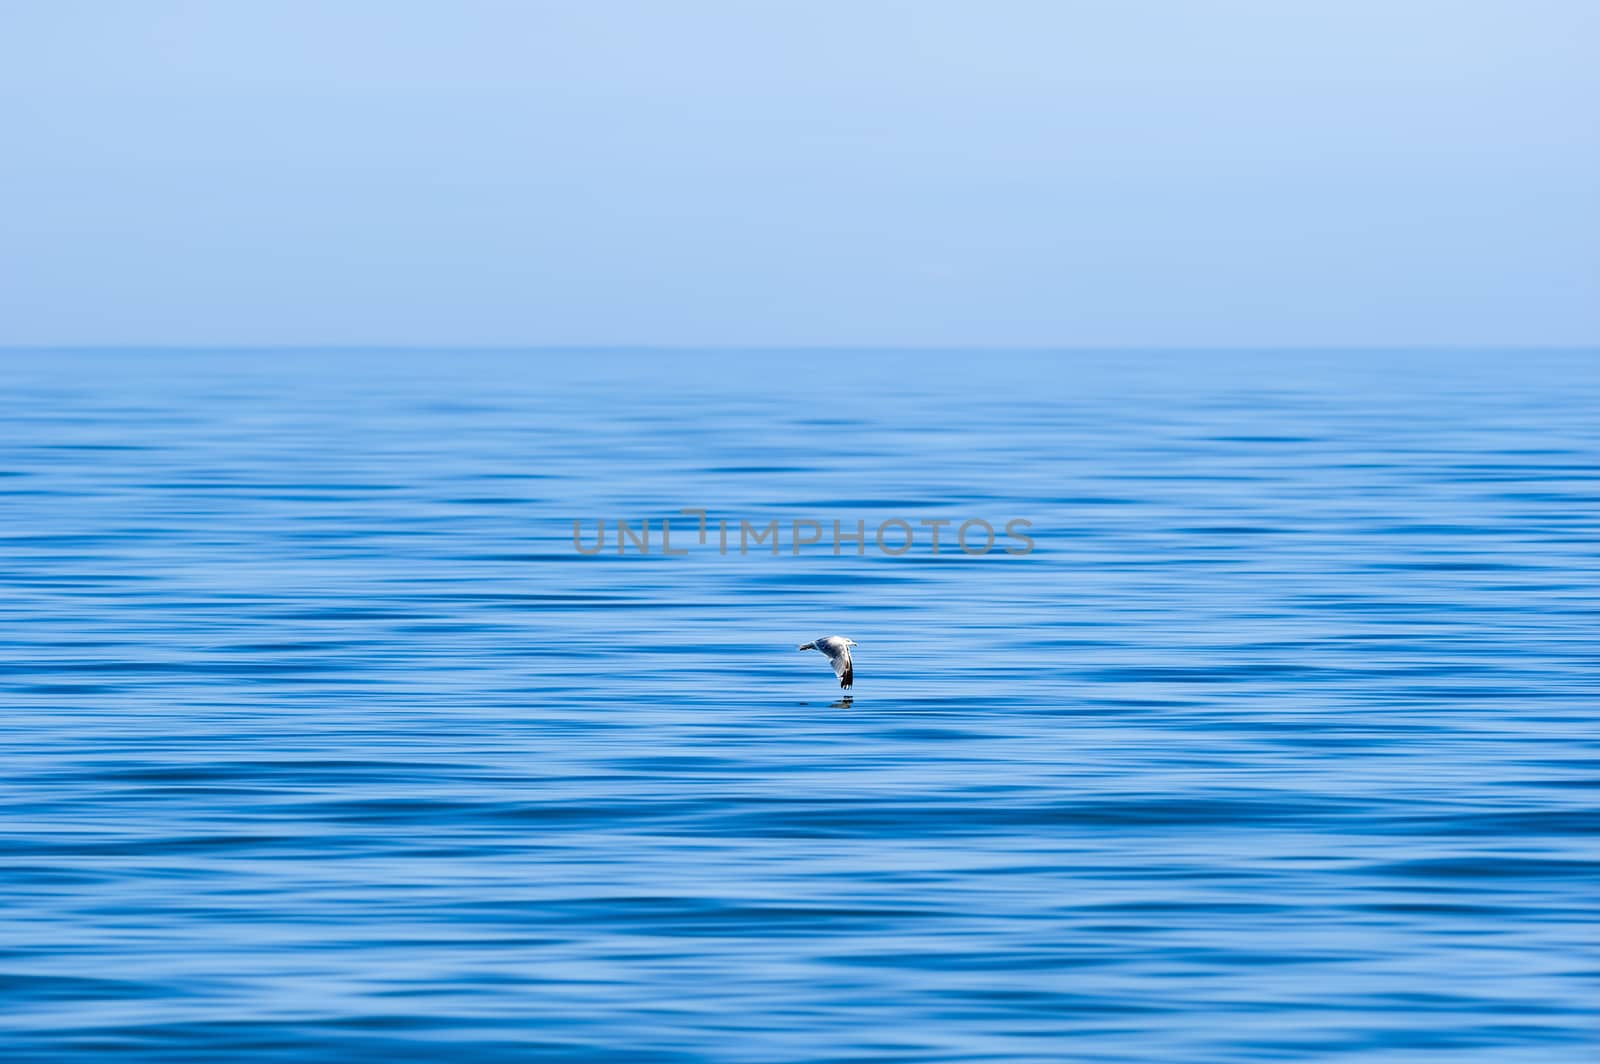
column 806, row 646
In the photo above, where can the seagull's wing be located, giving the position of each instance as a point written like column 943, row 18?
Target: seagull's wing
column 838, row 652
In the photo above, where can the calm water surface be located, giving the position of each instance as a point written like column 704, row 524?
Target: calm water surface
column 321, row 742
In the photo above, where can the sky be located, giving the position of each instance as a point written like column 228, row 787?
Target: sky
column 765, row 172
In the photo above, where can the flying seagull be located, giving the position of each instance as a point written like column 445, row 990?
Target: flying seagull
column 837, row 649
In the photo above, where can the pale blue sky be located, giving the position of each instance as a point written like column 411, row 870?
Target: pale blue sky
column 1173, row 172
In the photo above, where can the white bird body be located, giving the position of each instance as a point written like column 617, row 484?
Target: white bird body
column 837, row 650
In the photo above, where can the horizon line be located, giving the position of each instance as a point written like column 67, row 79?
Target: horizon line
column 552, row 348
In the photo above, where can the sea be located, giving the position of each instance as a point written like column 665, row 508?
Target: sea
column 1265, row 728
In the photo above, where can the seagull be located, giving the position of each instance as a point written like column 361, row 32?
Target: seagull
column 837, row 649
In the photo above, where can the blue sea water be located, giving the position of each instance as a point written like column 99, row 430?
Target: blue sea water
column 322, row 742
